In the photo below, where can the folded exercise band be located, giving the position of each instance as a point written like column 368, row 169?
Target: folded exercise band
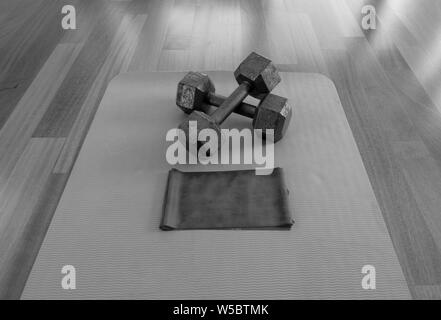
column 226, row 200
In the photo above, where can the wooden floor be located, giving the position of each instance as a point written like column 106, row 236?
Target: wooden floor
column 388, row 80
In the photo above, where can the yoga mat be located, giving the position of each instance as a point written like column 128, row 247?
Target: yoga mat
column 106, row 224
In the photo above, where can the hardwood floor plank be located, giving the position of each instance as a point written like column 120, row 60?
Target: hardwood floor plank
column 10, row 94
column 309, row 54
column 322, row 19
column 26, row 42
column 428, row 292
column 254, row 33
column 17, row 131
column 426, row 70
column 18, row 202
column 224, row 27
column 280, row 42
column 200, row 40
column 13, row 15
column 35, row 232
column 88, row 14
column 399, row 128
column 121, row 53
column 152, row 37
column 180, row 26
column 421, row 110
column 64, row 108
column 413, row 28
column 420, row 159
column 21, row 40
column 238, row 51
column 346, row 22
column 177, row 42
column 424, row 179
column 413, row 241
column 422, row 19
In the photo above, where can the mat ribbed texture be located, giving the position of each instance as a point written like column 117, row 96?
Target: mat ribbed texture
column 106, row 224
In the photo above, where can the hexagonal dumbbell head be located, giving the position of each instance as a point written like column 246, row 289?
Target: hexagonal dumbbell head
column 273, row 112
column 260, row 73
column 192, row 90
column 202, row 121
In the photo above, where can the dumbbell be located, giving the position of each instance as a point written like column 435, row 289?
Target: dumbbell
column 197, row 92
column 256, row 76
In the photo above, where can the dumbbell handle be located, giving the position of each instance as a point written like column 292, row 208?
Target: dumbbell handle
column 231, row 102
column 244, row 109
